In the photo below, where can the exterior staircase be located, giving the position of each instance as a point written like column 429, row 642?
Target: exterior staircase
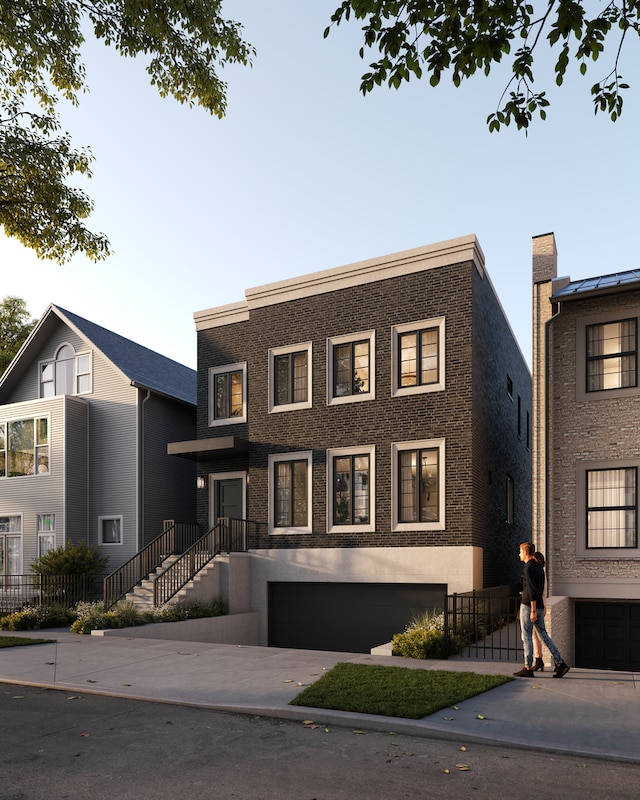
column 142, row 595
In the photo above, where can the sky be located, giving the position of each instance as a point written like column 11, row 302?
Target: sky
column 305, row 174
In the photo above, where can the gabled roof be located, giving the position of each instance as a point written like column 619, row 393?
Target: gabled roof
column 604, row 284
column 144, row 368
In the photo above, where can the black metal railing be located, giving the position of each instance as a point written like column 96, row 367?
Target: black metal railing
column 484, row 624
column 176, row 538
column 227, row 536
column 19, row 591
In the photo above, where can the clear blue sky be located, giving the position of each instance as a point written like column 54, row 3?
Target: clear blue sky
column 305, row 174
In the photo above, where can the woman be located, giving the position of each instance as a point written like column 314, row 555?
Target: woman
column 537, row 641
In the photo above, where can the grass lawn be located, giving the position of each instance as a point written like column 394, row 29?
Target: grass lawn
column 394, row 691
column 17, row 641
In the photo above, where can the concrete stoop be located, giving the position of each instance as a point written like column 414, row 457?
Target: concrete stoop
column 142, row 594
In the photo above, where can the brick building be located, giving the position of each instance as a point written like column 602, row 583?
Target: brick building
column 586, row 454
column 376, row 418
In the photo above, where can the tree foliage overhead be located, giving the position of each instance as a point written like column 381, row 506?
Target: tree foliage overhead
column 462, row 37
column 15, row 326
column 185, row 43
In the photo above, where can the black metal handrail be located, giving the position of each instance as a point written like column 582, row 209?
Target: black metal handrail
column 227, row 536
column 175, row 539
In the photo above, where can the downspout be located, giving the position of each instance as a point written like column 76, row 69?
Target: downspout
column 547, row 445
column 141, row 485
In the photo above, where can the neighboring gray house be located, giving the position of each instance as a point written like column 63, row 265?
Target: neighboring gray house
column 586, row 458
column 85, row 417
column 375, row 418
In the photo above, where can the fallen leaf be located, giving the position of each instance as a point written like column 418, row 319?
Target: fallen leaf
column 392, row 733
column 462, row 767
column 455, row 708
column 480, row 716
column 307, row 722
column 85, row 734
column 362, row 733
column 288, row 680
column 50, row 663
column 18, row 697
column 446, row 771
column 74, row 697
column 463, row 748
column 90, row 681
column 448, row 718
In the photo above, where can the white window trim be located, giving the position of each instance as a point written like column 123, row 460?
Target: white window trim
column 396, row 330
column 369, row 527
column 35, row 417
column 281, row 351
column 601, row 553
column 581, row 355
column 396, row 449
column 110, row 544
column 332, row 342
column 213, row 371
column 76, row 356
column 274, row 458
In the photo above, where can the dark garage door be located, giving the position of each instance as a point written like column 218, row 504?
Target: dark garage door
column 345, row 617
column 607, row 635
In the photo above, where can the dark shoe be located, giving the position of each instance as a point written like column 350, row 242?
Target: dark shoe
column 526, row 672
column 561, row 670
column 539, row 665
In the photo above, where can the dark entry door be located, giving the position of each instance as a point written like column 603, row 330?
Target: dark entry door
column 229, row 498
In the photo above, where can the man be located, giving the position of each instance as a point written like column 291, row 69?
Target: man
column 532, row 614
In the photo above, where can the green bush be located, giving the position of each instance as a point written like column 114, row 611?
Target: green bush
column 33, row 618
column 419, row 643
column 72, row 559
column 95, row 617
column 178, row 612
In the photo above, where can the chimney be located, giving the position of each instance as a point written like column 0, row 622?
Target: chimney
column 545, row 257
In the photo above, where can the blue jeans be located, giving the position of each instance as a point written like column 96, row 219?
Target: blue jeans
column 526, row 629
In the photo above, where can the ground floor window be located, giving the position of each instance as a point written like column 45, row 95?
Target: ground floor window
column 10, row 545
column 46, row 533
column 612, row 508
column 110, row 530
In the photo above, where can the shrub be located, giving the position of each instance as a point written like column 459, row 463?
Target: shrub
column 72, row 559
column 419, row 643
column 95, row 617
column 33, row 618
column 90, row 617
column 178, row 612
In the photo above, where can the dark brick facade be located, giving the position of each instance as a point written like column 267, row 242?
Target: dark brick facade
column 475, row 415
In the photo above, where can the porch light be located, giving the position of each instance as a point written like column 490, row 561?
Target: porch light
column 201, row 482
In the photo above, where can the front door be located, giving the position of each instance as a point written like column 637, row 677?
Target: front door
column 228, row 499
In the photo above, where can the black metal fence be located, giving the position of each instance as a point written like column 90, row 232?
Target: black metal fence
column 19, row 591
column 484, row 624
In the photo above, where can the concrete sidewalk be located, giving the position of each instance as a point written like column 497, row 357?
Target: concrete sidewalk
column 586, row 713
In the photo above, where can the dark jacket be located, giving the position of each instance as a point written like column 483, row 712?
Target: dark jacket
column 533, row 584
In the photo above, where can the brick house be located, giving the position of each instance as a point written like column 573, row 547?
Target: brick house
column 586, row 455
column 376, row 418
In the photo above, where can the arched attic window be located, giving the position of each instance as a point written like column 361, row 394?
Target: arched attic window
column 68, row 373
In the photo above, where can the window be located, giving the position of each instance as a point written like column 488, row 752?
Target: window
column 110, row 530
column 611, row 355
column 228, row 394
column 509, row 387
column 418, row 485
column 612, row 508
column 351, row 368
column 290, row 377
column 418, row 357
column 24, row 447
column 10, row 545
column 509, row 492
column 68, row 373
column 350, row 485
column 290, row 493
column 46, row 533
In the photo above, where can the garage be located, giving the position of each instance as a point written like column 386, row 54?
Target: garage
column 344, row 617
column 607, row 635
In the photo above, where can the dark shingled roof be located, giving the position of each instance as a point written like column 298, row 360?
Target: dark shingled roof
column 142, row 366
column 602, row 284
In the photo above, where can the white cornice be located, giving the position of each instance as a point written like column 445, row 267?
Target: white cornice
column 452, row 251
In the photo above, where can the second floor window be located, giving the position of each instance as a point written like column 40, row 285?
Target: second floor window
column 24, row 447
column 227, row 394
column 612, row 355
